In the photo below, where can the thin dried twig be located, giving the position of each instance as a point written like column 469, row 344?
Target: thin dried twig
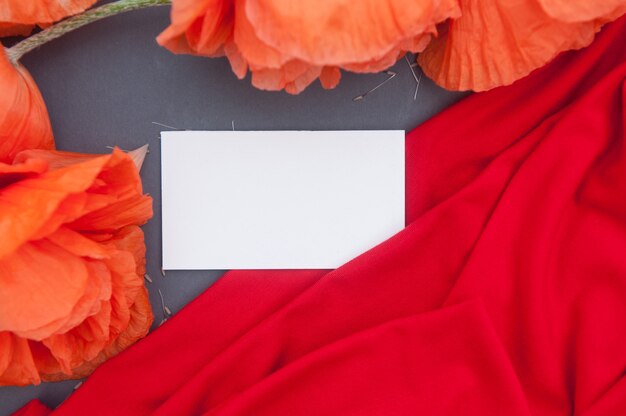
column 164, row 125
column 418, row 79
column 390, row 74
column 167, row 313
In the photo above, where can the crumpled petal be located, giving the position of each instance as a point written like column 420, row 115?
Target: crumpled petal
column 257, row 53
column 39, row 273
column 93, row 204
column 198, row 27
column 495, row 43
column 293, row 77
column 16, row 361
column 416, row 44
column 24, row 122
column 343, row 32
column 81, row 346
column 18, row 17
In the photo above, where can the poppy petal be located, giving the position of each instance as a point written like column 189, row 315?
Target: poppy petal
column 293, row 77
column 39, row 285
column 258, row 54
column 130, row 322
column 330, row 77
column 24, row 122
column 495, row 43
column 35, row 12
column 19, row 364
column 27, row 205
column 13, row 29
column 583, row 11
column 199, row 27
column 340, row 32
column 82, row 188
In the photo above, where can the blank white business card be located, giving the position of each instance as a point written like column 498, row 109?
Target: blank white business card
column 278, row 199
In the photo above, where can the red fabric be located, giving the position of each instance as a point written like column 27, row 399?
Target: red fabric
column 505, row 294
column 33, row 408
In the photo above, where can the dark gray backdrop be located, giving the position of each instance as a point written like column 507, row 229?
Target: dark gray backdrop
column 105, row 84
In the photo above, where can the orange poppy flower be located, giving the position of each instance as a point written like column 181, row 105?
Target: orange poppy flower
column 18, row 17
column 494, row 43
column 72, row 261
column 287, row 44
column 24, row 122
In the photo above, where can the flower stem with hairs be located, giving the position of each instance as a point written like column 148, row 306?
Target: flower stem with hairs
column 16, row 52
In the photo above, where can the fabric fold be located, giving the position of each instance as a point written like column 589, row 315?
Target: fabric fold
column 415, row 377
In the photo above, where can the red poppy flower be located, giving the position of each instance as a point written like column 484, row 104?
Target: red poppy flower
column 72, row 261
column 287, row 44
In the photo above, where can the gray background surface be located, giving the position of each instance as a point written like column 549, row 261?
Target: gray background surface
column 105, row 85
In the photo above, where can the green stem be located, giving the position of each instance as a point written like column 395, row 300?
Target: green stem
column 16, row 52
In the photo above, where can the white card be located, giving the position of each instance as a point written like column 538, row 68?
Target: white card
column 278, row 199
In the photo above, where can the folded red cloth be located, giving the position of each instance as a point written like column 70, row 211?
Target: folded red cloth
column 505, row 294
column 33, row 408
